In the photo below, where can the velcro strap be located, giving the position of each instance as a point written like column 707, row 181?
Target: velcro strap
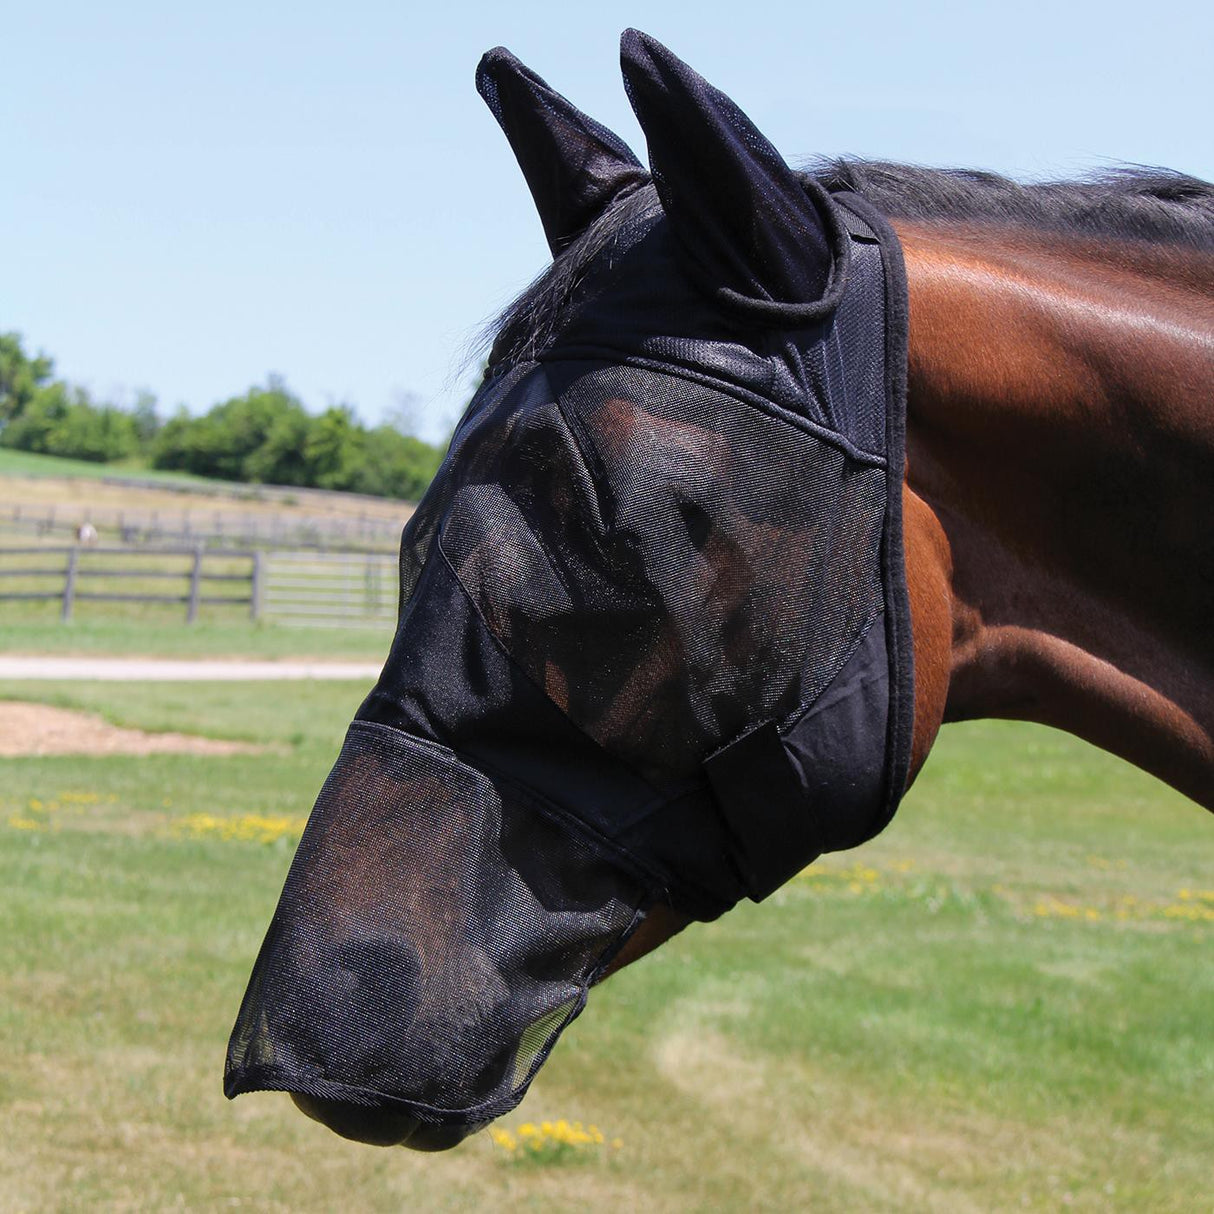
column 772, row 829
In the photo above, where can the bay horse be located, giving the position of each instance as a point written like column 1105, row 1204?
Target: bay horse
column 1055, row 524
column 1059, row 488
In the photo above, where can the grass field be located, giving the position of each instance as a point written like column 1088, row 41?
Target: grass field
column 34, row 479
column 151, row 631
column 28, row 463
column 33, row 485
column 1003, row 1003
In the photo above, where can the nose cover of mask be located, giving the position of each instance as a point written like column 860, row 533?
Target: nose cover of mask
column 434, row 936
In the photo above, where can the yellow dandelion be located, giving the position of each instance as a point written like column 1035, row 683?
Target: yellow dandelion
column 504, row 1139
column 549, row 1142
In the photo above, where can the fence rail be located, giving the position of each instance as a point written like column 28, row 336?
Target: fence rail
column 222, row 528
column 286, row 586
column 85, row 574
column 330, row 588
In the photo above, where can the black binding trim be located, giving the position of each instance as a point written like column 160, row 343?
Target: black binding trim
column 898, row 636
column 755, row 785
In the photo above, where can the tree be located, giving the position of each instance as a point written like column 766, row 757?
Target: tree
column 146, row 415
column 259, row 436
column 336, row 448
column 21, row 377
column 398, row 465
column 59, row 420
column 264, row 435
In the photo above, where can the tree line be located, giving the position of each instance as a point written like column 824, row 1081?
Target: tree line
column 264, row 436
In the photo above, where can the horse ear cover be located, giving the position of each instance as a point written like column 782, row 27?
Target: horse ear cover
column 574, row 166
column 755, row 233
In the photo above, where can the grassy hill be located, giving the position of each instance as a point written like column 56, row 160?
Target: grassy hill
column 26, row 463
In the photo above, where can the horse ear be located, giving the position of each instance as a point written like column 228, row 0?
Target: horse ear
column 753, row 233
column 574, row 166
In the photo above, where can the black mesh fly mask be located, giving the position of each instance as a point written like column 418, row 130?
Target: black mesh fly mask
column 653, row 641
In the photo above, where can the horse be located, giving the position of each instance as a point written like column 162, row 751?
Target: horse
column 1049, row 527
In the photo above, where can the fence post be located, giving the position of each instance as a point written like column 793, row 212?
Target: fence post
column 69, row 583
column 258, row 584
column 195, row 587
column 370, row 584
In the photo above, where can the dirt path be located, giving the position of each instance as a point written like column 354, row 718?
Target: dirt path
column 39, row 729
column 160, row 670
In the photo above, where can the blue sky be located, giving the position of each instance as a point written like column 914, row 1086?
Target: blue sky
column 195, row 196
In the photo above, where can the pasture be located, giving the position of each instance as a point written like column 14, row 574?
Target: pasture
column 48, row 479
column 46, row 498
column 35, row 488
column 1002, row 1003
column 140, row 630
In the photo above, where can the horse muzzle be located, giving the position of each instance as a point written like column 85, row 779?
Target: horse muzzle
column 381, row 1127
column 434, row 937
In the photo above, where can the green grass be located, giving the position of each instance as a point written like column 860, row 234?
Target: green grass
column 1000, row 1004
column 151, row 631
column 27, row 463
column 305, row 714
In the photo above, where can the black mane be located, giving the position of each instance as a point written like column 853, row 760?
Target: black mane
column 1155, row 206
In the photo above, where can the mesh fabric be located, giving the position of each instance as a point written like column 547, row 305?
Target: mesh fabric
column 668, row 563
column 434, row 936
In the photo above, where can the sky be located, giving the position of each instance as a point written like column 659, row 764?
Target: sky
column 194, row 197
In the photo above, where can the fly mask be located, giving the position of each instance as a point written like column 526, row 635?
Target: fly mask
column 653, row 640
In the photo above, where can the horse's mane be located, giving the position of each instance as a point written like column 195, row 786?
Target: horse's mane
column 1158, row 206
column 1146, row 205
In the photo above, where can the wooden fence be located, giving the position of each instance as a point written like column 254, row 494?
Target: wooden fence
column 101, row 574
column 291, row 587
column 343, row 589
column 221, row 528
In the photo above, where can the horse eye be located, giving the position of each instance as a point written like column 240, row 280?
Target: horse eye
column 697, row 522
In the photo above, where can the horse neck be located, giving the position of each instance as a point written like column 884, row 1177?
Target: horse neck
column 1061, row 487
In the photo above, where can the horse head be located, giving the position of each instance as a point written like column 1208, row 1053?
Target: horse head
column 653, row 648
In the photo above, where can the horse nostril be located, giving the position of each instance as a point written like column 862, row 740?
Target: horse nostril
column 386, row 979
